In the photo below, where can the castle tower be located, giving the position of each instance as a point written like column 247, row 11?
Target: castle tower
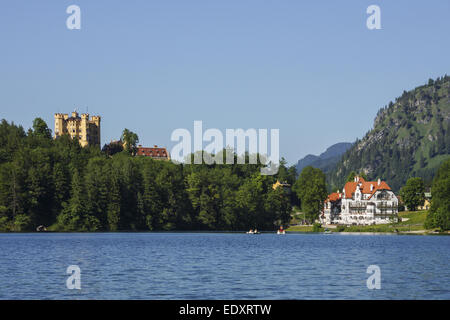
column 59, row 124
column 84, row 130
column 95, row 130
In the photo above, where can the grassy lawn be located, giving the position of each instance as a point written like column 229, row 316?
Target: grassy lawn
column 415, row 217
column 300, row 229
column 415, row 223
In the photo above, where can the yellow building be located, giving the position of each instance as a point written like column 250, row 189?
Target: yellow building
column 86, row 130
column 426, row 205
column 286, row 186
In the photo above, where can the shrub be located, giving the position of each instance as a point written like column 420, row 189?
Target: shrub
column 317, row 227
column 22, row 222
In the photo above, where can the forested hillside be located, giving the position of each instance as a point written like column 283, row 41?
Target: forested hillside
column 410, row 137
column 60, row 185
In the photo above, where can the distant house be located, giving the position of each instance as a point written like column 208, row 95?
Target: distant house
column 157, row 153
column 286, row 186
column 361, row 203
column 427, row 202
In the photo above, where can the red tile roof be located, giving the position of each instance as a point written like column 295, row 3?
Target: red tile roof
column 349, row 188
column 152, row 152
column 364, row 186
column 333, row 196
column 383, row 186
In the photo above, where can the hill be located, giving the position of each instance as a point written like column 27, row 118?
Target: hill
column 326, row 160
column 410, row 137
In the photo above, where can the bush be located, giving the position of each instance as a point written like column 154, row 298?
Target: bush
column 340, row 228
column 5, row 224
column 317, row 227
column 22, row 222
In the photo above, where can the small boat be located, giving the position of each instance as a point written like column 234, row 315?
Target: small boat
column 253, row 232
column 327, row 231
column 281, row 232
column 41, row 228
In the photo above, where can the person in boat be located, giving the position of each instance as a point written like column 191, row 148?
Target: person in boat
column 251, row 231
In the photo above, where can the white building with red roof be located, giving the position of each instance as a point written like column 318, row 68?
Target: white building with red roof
column 361, row 203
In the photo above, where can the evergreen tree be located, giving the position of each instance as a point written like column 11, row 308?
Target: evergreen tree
column 114, row 203
column 72, row 216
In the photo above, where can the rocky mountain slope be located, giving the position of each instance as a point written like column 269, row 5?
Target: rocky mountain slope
column 410, row 137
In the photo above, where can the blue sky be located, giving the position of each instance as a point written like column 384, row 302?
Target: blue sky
column 309, row 68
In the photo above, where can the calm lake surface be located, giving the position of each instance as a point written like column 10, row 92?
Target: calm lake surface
column 223, row 266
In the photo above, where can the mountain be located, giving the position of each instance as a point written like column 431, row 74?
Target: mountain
column 326, row 160
column 410, row 138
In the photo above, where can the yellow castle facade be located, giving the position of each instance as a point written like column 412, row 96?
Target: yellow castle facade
column 85, row 129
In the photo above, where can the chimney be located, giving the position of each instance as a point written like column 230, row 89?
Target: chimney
column 379, row 181
column 371, row 187
column 155, row 146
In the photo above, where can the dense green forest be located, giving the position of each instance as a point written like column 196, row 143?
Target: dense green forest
column 410, row 138
column 58, row 184
column 439, row 214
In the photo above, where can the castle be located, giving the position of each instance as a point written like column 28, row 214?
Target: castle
column 86, row 130
column 361, row 203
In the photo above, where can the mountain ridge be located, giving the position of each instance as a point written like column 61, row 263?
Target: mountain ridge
column 326, row 159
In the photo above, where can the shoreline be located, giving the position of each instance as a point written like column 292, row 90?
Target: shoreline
column 415, row 232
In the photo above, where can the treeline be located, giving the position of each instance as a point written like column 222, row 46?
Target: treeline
column 58, row 184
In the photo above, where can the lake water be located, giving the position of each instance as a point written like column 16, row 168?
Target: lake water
column 223, row 266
